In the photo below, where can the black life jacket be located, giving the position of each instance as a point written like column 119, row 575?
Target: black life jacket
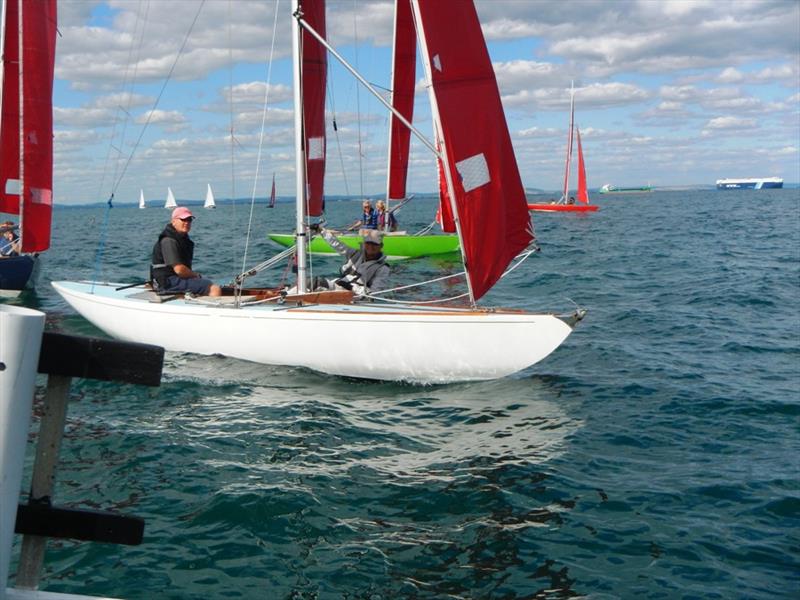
column 159, row 270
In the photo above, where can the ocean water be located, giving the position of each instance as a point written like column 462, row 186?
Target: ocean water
column 656, row 454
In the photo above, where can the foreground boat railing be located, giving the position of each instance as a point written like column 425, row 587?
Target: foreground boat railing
column 62, row 357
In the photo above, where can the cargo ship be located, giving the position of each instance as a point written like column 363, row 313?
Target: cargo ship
column 612, row 189
column 755, row 183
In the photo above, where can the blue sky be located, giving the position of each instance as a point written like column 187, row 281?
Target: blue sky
column 667, row 93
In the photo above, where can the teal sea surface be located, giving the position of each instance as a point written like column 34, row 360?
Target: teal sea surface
column 656, row 454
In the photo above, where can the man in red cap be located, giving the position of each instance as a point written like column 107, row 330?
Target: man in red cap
column 171, row 268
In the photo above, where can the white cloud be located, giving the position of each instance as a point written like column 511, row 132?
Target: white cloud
column 730, row 75
column 518, row 75
column 671, row 107
column 728, row 124
column 786, row 151
column 170, row 120
column 540, row 132
column 82, row 117
column 595, row 96
column 255, row 93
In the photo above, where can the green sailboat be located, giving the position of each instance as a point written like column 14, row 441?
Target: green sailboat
column 395, row 247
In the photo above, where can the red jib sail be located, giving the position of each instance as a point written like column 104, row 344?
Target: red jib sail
column 37, row 55
column 314, row 78
column 583, row 193
column 487, row 189
column 404, row 62
column 565, row 194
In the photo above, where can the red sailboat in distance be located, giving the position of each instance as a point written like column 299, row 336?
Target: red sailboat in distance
column 579, row 203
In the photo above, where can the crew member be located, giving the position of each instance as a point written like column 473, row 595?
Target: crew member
column 365, row 270
column 171, row 268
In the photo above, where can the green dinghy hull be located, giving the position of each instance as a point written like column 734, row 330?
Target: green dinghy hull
column 395, row 247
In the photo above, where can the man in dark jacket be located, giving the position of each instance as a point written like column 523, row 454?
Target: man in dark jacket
column 171, row 267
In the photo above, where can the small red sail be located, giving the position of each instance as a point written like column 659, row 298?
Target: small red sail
column 272, row 193
column 583, row 193
column 37, row 52
column 488, row 193
column 314, row 80
column 403, row 71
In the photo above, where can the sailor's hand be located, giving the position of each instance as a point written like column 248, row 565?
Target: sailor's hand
column 344, row 284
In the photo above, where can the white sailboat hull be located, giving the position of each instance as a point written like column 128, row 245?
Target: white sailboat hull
column 366, row 341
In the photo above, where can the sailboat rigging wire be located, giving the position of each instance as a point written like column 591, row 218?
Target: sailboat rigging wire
column 237, row 281
column 522, row 257
column 245, row 273
column 125, row 86
column 366, row 84
column 358, row 108
column 425, row 230
column 158, row 98
column 101, row 244
column 338, row 140
column 421, row 283
column 231, row 120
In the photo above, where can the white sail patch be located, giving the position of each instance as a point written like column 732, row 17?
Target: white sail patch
column 13, row 187
column 316, row 148
column 474, row 172
column 437, row 63
column 42, row 196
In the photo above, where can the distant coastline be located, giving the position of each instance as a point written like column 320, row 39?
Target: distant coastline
column 156, row 204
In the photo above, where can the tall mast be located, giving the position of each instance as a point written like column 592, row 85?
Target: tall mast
column 300, row 170
column 569, row 140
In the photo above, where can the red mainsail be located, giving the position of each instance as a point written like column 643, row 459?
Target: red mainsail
column 404, row 62
column 314, row 80
column 487, row 190
column 37, row 53
column 583, row 193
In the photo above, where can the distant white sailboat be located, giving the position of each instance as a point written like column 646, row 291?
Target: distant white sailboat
column 141, row 199
column 170, row 203
column 209, row 203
